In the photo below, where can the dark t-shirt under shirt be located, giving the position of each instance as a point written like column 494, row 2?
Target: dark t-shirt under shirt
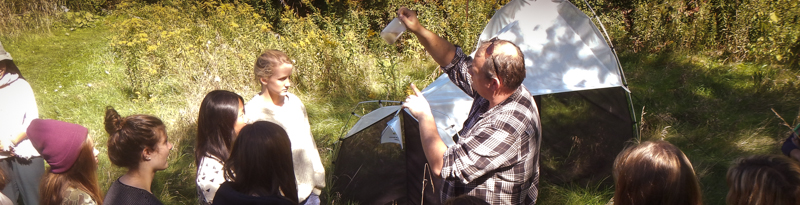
column 122, row 194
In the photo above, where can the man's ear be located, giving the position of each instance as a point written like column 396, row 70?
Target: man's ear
column 496, row 84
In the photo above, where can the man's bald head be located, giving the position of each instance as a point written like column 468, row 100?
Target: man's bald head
column 504, row 60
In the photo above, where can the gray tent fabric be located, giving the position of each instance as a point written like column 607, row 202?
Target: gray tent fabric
column 584, row 105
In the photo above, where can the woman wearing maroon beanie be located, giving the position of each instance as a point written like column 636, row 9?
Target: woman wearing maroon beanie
column 139, row 143
column 72, row 177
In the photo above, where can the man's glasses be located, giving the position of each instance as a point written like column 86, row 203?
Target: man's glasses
column 488, row 54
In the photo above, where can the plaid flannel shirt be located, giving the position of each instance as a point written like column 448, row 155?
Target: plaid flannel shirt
column 496, row 157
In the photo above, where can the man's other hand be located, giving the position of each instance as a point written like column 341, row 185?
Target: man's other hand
column 417, row 104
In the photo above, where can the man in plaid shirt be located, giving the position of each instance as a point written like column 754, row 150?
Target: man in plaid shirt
column 496, row 158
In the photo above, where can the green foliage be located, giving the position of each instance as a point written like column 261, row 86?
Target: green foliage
column 161, row 57
column 80, row 19
column 739, row 30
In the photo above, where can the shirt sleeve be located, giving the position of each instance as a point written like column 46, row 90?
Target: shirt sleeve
column 209, row 177
column 472, row 157
column 458, row 69
column 77, row 197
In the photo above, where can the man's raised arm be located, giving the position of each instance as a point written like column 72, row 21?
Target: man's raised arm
column 440, row 49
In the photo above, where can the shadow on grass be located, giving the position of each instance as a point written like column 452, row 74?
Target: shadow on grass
column 715, row 112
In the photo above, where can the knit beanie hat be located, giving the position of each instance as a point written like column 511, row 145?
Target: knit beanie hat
column 3, row 54
column 58, row 142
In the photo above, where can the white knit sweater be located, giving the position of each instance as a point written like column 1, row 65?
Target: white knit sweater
column 293, row 117
column 17, row 110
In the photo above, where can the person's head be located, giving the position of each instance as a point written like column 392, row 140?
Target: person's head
column 273, row 69
column 219, row 121
column 499, row 65
column 764, row 179
column 136, row 140
column 7, row 65
column 70, row 153
column 261, row 162
column 655, row 172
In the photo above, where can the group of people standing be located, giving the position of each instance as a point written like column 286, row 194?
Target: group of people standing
column 262, row 151
column 264, row 156
column 496, row 156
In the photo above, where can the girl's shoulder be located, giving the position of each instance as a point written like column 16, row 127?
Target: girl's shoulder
column 74, row 196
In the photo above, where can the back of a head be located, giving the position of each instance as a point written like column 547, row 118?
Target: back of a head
column 655, row 172
column 261, row 162
column 505, row 60
column 215, row 124
column 762, row 180
column 128, row 136
column 81, row 175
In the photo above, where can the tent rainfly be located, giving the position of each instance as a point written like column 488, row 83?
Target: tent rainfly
column 575, row 76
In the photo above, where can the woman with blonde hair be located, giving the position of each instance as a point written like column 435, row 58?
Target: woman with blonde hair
column 72, row 176
column 139, row 143
column 273, row 71
column 764, row 179
column 655, row 172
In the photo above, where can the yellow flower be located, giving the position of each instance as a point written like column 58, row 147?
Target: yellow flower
column 233, row 24
column 152, row 48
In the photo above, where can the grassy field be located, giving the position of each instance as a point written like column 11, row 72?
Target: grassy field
column 158, row 60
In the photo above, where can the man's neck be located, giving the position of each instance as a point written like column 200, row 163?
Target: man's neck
column 499, row 96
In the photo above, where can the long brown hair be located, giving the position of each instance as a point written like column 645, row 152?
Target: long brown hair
column 82, row 176
column 655, row 172
column 261, row 162
column 764, row 179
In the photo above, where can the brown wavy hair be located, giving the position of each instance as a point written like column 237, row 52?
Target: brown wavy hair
column 82, row 176
column 764, row 179
column 128, row 136
column 261, row 162
column 655, row 172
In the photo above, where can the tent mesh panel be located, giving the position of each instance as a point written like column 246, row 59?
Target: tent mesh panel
column 368, row 172
column 582, row 133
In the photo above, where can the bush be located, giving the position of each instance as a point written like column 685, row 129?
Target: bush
column 738, row 30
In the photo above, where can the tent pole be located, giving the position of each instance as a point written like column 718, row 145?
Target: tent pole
column 621, row 73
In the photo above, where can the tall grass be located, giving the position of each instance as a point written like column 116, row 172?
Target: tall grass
column 161, row 58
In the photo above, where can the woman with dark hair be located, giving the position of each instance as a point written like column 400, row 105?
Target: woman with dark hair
column 72, row 177
column 220, row 119
column 22, row 164
column 764, row 179
column 139, row 143
column 260, row 168
column 655, row 172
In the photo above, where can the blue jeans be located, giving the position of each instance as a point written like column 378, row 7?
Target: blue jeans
column 312, row 199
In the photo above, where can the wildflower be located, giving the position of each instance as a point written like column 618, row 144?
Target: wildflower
column 233, row 24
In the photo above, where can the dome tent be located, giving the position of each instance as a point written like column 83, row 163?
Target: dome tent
column 585, row 108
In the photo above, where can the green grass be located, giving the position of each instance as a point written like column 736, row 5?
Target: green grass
column 713, row 109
